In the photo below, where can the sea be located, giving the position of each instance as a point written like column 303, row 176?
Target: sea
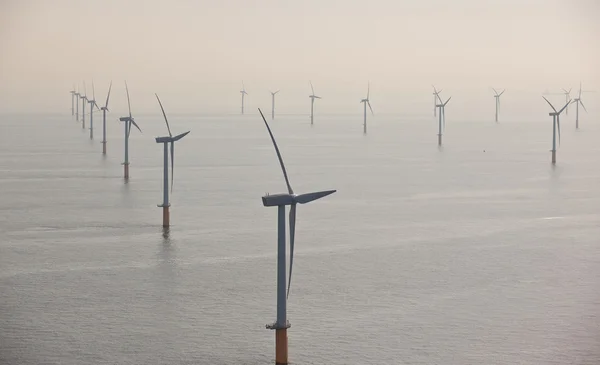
column 477, row 252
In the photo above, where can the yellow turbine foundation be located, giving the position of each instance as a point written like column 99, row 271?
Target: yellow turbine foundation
column 166, row 217
column 281, row 346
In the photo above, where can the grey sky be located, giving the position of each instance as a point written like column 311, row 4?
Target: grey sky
column 196, row 53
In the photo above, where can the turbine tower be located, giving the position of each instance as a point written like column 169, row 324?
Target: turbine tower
column 555, row 122
column 73, row 92
column 365, row 102
column 165, row 141
column 578, row 101
column 84, row 100
column 128, row 122
column 280, row 201
column 567, row 98
column 77, row 96
column 436, row 97
column 442, row 119
column 243, row 92
column 312, row 102
column 497, row 97
column 93, row 104
column 273, row 104
column 104, row 110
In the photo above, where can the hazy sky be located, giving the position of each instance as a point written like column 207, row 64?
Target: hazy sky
column 195, row 54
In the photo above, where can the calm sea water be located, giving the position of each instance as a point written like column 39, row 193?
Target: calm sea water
column 477, row 253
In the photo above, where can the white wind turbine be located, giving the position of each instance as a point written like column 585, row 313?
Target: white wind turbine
column 93, row 104
column 497, row 97
column 366, row 102
column 165, row 141
column 273, row 103
column 104, row 110
column 73, row 93
column 84, row 100
column 281, row 201
column 555, row 122
column 128, row 121
column 442, row 119
column 312, row 102
column 578, row 101
column 243, row 92
column 567, row 98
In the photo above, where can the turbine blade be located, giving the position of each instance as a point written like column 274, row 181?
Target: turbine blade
column 292, row 236
column 96, row 104
column 309, row 197
column 311, row 88
column 172, row 163
column 164, row 115
column 368, row 103
column 558, row 124
column 564, row 107
column 135, row 124
column 447, row 101
column 495, row 92
column 581, row 102
column 368, row 89
column 552, row 106
column 108, row 96
column 180, row 136
column 502, row 92
column 128, row 102
column 93, row 91
column 287, row 181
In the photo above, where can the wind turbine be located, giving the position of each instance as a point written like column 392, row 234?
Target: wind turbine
column 280, row 201
column 497, row 96
column 84, row 99
column 555, row 122
column 104, row 110
column 77, row 95
column 578, row 101
column 273, row 104
column 73, row 92
column 436, row 97
column 567, row 98
column 243, row 92
column 365, row 102
column 128, row 122
column 93, row 104
column 442, row 119
column 312, row 102
column 165, row 141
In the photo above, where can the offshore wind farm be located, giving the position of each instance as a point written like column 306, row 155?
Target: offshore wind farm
column 480, row 249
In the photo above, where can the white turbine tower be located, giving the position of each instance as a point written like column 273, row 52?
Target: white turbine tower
column 166, row 141
column 243, row 92
column 93, row 104
column 77, row 96
column 104, row 110
column 128, row 121
column 442, row 119
column 273, row 103
column 280, row 201
column 84, row 100
column 567, row 98
column 73, row 92
column 436, row 97
column 555, row 122
column 497, row 97
column 366, row 102
column 312, row 102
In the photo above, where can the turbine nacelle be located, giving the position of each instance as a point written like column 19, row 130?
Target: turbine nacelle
column 275, row 200
column 168, row 139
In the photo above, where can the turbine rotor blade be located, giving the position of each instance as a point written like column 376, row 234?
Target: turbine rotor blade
column 128, row 102
column 447, row 101
column 309, row 197
column 549, row 103
column 287, row 181
column 495, row 92
column 172, row 163
column 292, row 236
column 93, row 91
column 164, row 115
column 368, row 103
column 135, row 124
column 311, row 88
column 108, row 96
column 558, row 124
column 564, row 107
column 502, row 92
column 581, row 102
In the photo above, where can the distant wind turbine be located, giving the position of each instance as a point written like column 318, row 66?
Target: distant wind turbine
column 273, row 104
column 243, row 92
column 365, row 102
column 280, row 201
column 84, row 100
column 165, row 141
column 312, row 102
column 497, row 97
column 442, row 119
column 436, row 97
column 128, row 122
column 567, row 98
column 73, row 92
column 104, row 110
column 578, row 101
column 93, row 104
column 77, row 96
column 555, row 122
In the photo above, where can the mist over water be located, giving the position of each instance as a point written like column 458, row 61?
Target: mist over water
column 479, row 252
